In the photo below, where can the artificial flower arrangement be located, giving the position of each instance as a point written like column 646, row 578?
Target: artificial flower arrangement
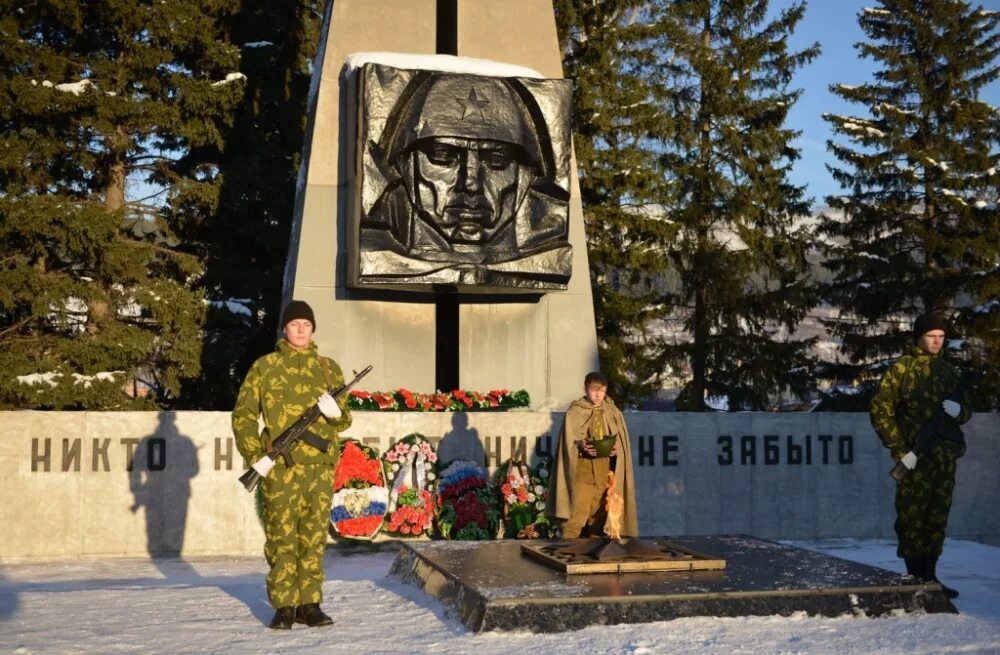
column 404, row 400
column 467, row 507
column 523, row 493
column 360, row 496
column 412, row 466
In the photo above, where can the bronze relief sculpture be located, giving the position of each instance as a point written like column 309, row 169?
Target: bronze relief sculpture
column 463, row 181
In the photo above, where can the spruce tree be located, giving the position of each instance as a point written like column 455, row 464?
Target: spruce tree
column 917, row 227
column 245, row 244
column 743, row 282
column 610, row 52
column 97, row 102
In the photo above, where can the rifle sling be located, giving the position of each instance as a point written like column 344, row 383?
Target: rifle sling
column 313, row 440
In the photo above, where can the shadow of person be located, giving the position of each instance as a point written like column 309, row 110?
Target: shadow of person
column 461, row 442
column 160, row 476
column 9, row 601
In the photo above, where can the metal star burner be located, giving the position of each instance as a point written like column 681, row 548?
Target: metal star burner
column 619, row 556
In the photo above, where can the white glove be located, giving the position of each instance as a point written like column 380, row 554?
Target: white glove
column 328, row 405
column 263, row 466
column 951, row 408
column 909, row 460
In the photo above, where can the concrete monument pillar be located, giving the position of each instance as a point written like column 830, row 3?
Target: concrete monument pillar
column 541, row 340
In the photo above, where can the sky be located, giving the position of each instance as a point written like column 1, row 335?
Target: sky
column 219, row 606
column 834, row 24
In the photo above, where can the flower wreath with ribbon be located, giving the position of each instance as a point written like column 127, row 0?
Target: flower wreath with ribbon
column 360, row 496
column 412, row 466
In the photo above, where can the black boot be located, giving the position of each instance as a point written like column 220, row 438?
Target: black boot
column 912, row 566
column 930, row 569
column 312, row 615
column 283, row 619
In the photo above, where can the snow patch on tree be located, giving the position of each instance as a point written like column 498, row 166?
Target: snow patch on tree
column 231, row 77
column 51, row 378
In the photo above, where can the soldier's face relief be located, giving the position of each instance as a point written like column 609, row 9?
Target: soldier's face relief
column 466, row 188
column 299, row 332
column 931, row 342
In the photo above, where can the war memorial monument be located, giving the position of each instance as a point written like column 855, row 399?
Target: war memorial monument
column 439, row 235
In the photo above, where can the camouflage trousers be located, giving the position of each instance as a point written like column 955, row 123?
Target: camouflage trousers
column 923, row 500
column 296, row 519
column 590, row 480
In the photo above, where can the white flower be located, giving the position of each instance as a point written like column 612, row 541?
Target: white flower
column 394, row 468
column 539, row 489
column 531, row 497
column 431, row 476
column 511, row 498
column 428, row 466
column 540, row 505
column 356, row 502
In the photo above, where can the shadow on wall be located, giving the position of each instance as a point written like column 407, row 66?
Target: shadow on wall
column 461, row 442
column 160, row 476
column 465, row 442
column 545, row 447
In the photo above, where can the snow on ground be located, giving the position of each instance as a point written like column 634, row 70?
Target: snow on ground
column 219, row 606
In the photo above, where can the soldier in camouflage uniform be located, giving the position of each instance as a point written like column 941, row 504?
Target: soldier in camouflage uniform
column 911, row 390
column 281, row 386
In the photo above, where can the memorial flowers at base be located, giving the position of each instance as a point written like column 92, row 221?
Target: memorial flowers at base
column 522, row 493
column 404, row 400
column 360, row 496
column 467, row 506
column 414, row 513
column 412, row 466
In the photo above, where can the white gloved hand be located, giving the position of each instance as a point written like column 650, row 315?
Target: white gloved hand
column 328, row 405
column 909, row 460
column 263, row 466
column 951, row 408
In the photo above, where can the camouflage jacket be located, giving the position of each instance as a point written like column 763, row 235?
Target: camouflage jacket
column 910, row 391
column 281, row 386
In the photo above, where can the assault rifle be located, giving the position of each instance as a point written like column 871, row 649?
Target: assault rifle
column 939, row 428
column 296, row 431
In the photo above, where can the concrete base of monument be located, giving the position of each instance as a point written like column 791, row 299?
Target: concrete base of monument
column 492, row 586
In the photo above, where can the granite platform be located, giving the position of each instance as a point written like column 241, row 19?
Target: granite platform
column 492, row 586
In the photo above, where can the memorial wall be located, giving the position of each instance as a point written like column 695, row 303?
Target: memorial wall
column 147, row 483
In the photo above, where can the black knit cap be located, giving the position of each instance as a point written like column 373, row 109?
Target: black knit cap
column 926, row 323
column 297, row 309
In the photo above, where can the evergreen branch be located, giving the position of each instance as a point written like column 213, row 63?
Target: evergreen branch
column 17, row 326
column 152, row 246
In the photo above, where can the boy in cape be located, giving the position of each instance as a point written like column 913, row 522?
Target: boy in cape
column 580, row 480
